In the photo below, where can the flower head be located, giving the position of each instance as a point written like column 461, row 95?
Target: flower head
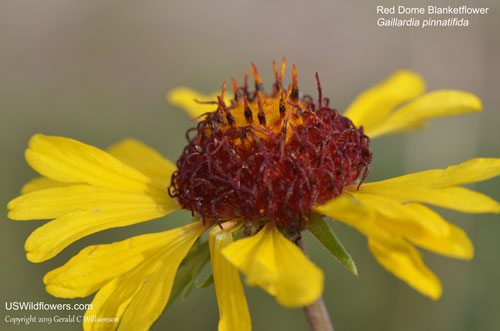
column 258, row 170
column 262, row 152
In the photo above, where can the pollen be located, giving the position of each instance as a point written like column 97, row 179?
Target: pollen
column 269, row 156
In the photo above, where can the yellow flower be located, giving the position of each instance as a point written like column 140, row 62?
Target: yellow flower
column 86, row 190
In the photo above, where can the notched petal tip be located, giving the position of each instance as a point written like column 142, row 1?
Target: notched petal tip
column 34, row 258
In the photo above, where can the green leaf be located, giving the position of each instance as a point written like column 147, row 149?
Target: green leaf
column 189, row 270
column 325, row 235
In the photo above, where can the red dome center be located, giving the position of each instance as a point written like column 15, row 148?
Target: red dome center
column 274, row 170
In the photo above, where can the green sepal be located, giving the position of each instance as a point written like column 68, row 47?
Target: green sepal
column 318, row 227
column 209, row 280
column 238, row 234
column 189, row 270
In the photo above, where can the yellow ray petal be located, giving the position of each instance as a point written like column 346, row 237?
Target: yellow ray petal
column 345, row 209
column 69, row 161
column 373, row 105
column 129, row 151
column 413, row 223
column 145, row 159
column 471, row 171
column 375, row 218
column 394, row 253
column 457, row 198
column 350, row 211
column 453, row 242
column 184, row 97
column 437, row 187
column 277, row 265
column 96, row 265
column 49, row 239
column 405, row 262
column 233, row 309
column 431, row 105
column 101, row 317
column 138, row 297
column 412, row 219
column 57, row 201
column 40, row 183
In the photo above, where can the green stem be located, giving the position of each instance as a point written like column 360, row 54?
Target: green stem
column 316, row 313
column 317, row 316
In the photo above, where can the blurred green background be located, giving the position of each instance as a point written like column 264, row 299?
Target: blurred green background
column 97, row 71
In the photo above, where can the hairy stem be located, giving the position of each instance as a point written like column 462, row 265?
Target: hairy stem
column 316, row 313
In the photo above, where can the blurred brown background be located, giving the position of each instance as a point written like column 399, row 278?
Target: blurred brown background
column 97, row 71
